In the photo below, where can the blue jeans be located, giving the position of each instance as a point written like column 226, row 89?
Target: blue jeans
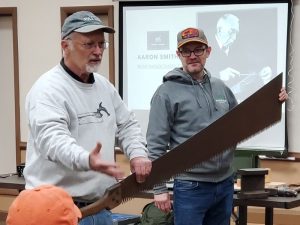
column 101, row 218
column 203, row 203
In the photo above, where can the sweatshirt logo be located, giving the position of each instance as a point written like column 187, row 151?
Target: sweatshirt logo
column 101, row 109
column 93, row 117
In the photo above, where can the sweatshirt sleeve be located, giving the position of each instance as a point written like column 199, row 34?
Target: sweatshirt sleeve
column 158, row 133
column 52, row 138
column 129, row 133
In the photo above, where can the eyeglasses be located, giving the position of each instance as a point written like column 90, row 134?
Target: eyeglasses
column 92, row 45
column 196, row 51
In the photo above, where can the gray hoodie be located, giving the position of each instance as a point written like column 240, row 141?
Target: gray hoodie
column 180, row 108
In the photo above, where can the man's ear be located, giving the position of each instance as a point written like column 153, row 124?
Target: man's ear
column 64, row 44
column 208, row 51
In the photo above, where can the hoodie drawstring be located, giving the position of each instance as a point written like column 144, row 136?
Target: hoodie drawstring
column 209, row 93
column 196, row 93
column 212, row 96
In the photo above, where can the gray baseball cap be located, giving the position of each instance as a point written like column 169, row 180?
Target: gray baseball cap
column 83, row 22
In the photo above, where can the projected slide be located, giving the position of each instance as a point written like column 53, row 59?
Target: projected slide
column 244, row 53
column 248, row 43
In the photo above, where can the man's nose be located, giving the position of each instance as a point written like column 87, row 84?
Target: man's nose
column 98, row 50
column 193, row 54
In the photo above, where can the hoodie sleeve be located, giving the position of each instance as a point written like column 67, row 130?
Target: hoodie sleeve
column 231, row 98
column 158, row 133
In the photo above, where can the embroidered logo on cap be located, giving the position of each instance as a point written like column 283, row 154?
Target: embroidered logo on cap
column 90, row 18
column 189, row 33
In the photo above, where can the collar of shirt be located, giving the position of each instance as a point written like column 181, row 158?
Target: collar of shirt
column 91, row 79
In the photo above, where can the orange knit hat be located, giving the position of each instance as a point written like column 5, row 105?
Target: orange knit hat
column 46, row 205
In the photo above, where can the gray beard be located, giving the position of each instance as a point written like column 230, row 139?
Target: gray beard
column 92, row 69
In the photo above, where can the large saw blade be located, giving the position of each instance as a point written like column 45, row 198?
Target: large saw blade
column 259, row 111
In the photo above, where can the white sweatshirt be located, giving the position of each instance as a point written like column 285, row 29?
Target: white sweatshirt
column 66, row 118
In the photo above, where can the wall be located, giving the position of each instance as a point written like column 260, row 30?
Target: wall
column 294, row 82
column 7, row 134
